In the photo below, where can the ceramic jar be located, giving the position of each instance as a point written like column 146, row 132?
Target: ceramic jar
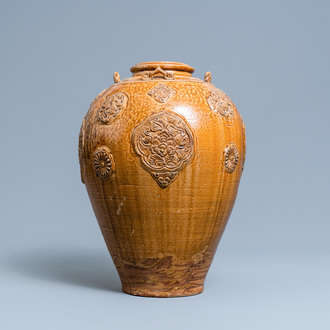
column 161, row 155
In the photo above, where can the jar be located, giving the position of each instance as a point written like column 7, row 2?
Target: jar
column 161, row 155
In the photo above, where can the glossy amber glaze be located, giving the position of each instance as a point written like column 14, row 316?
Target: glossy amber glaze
column 161, row 155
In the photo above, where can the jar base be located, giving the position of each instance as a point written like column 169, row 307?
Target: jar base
column 146, row 292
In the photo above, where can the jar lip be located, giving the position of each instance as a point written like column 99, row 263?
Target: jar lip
column 164, row 65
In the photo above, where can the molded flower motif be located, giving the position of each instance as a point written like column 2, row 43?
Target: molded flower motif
column 161, row 93
column 220, row 103
column 163, row 141
column 164, row 144
column 81, row 150
column 103, row 163
column 111, row 107
column 231, row 157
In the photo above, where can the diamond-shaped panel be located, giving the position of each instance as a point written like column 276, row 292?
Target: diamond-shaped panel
column 161, row 93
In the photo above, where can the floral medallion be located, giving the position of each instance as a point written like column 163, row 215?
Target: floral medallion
column 231, row 156
column 220, row 103
column 164, row 179
column 164, row 144
column 161, row 93
column 111, row 107
column 244, row 145
column 81, row 150
column 103, row 163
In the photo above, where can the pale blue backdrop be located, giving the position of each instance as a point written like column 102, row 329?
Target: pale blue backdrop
column 272, row 268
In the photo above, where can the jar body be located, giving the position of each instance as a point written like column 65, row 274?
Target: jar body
column 161, row 160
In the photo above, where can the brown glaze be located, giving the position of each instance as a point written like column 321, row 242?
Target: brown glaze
column 161, row 155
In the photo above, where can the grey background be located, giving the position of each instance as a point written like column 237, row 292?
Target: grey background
column 272, row 267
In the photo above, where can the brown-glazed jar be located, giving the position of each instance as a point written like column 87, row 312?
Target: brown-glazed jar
column 161, row 155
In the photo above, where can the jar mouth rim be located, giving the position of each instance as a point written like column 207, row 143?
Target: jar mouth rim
column 164, row 65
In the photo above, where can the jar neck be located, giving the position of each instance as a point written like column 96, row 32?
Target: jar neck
column 161, row 70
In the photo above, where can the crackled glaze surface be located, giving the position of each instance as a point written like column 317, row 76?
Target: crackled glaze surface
column 162, row 165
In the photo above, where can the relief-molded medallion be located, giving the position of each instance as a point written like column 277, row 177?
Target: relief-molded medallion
column 161, row 93
column 111, row 107
column 165, row 144
column 231, row 157
column 81, row 148
column 244, row 145
column 103, row 162
column 220, row 103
